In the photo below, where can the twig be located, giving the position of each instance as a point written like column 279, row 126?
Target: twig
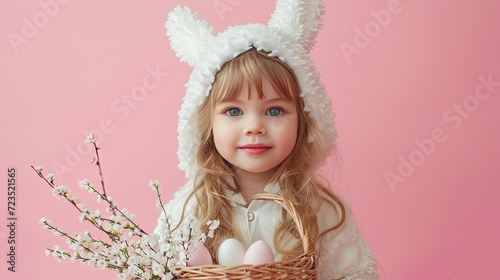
column 100, row 170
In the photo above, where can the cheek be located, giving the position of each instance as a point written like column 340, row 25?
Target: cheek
column 216, row 132
column 284, row 125
column 222, row 134
column 286, row 131
column 290, row 138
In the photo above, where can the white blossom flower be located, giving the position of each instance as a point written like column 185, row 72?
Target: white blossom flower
column 74, row 246
column 95, row 215
column 90, row 138
column 116, row 218
column 38, row 168
column 43, row 221
column 157, row 268
column 101, row 263
column 50, row 177
column 73, row 257
column 91, row 263
column 82, row 183
column 203, row 238
column 168, row 276
column 116, row 228
column 78, row 237
column 153, row 240
column 87, row 236
column 86, row 185
column 111, row 204
column 60, row 190
column 212, row 226
column 154, row 185
column 83, row 216
column 58, row 254
column 72, row 198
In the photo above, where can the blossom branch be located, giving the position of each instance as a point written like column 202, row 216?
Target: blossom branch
column 91, row 139
column 142, row 256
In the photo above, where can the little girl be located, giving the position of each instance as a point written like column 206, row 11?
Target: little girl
column 256, row 119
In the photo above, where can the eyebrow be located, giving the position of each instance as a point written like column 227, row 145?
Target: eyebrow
column 276, row 99
column 279, row 99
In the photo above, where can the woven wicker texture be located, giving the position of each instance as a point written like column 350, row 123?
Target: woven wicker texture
column 303, row 267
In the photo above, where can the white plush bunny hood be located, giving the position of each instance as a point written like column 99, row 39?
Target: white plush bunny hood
column 289, row 35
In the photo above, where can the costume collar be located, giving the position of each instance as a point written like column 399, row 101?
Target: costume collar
column 237, row 199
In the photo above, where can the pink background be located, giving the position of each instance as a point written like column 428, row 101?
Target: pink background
column 402, row 86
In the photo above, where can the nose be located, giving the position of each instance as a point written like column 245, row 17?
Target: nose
column 255, row 126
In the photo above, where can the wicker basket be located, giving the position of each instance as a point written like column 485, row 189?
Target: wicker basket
column 303, row 267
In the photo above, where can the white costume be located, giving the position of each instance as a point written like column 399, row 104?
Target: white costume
column 289, row 35
column 343, row 253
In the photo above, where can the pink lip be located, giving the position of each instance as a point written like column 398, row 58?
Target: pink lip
column 255, row 149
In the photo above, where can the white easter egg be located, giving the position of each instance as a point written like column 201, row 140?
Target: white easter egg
column 231, row 252
column 200, row 257
column 258, row 253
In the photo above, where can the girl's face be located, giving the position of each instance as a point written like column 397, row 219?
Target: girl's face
column 255, row 134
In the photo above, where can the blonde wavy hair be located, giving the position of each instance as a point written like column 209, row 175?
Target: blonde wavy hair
column 297, row 171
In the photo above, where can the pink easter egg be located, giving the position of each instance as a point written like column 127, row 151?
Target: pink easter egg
column 200, row 257
column 258, row 253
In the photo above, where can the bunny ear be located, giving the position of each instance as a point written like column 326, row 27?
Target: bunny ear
column 187, row 34
column 299, row 18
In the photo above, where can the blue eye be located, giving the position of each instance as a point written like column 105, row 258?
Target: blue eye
column 233, row 112
column 275, row 112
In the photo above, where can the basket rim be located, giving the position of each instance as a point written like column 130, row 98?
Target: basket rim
column 303, row 267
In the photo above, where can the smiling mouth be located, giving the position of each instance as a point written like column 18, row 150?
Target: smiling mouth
column 255, row 149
